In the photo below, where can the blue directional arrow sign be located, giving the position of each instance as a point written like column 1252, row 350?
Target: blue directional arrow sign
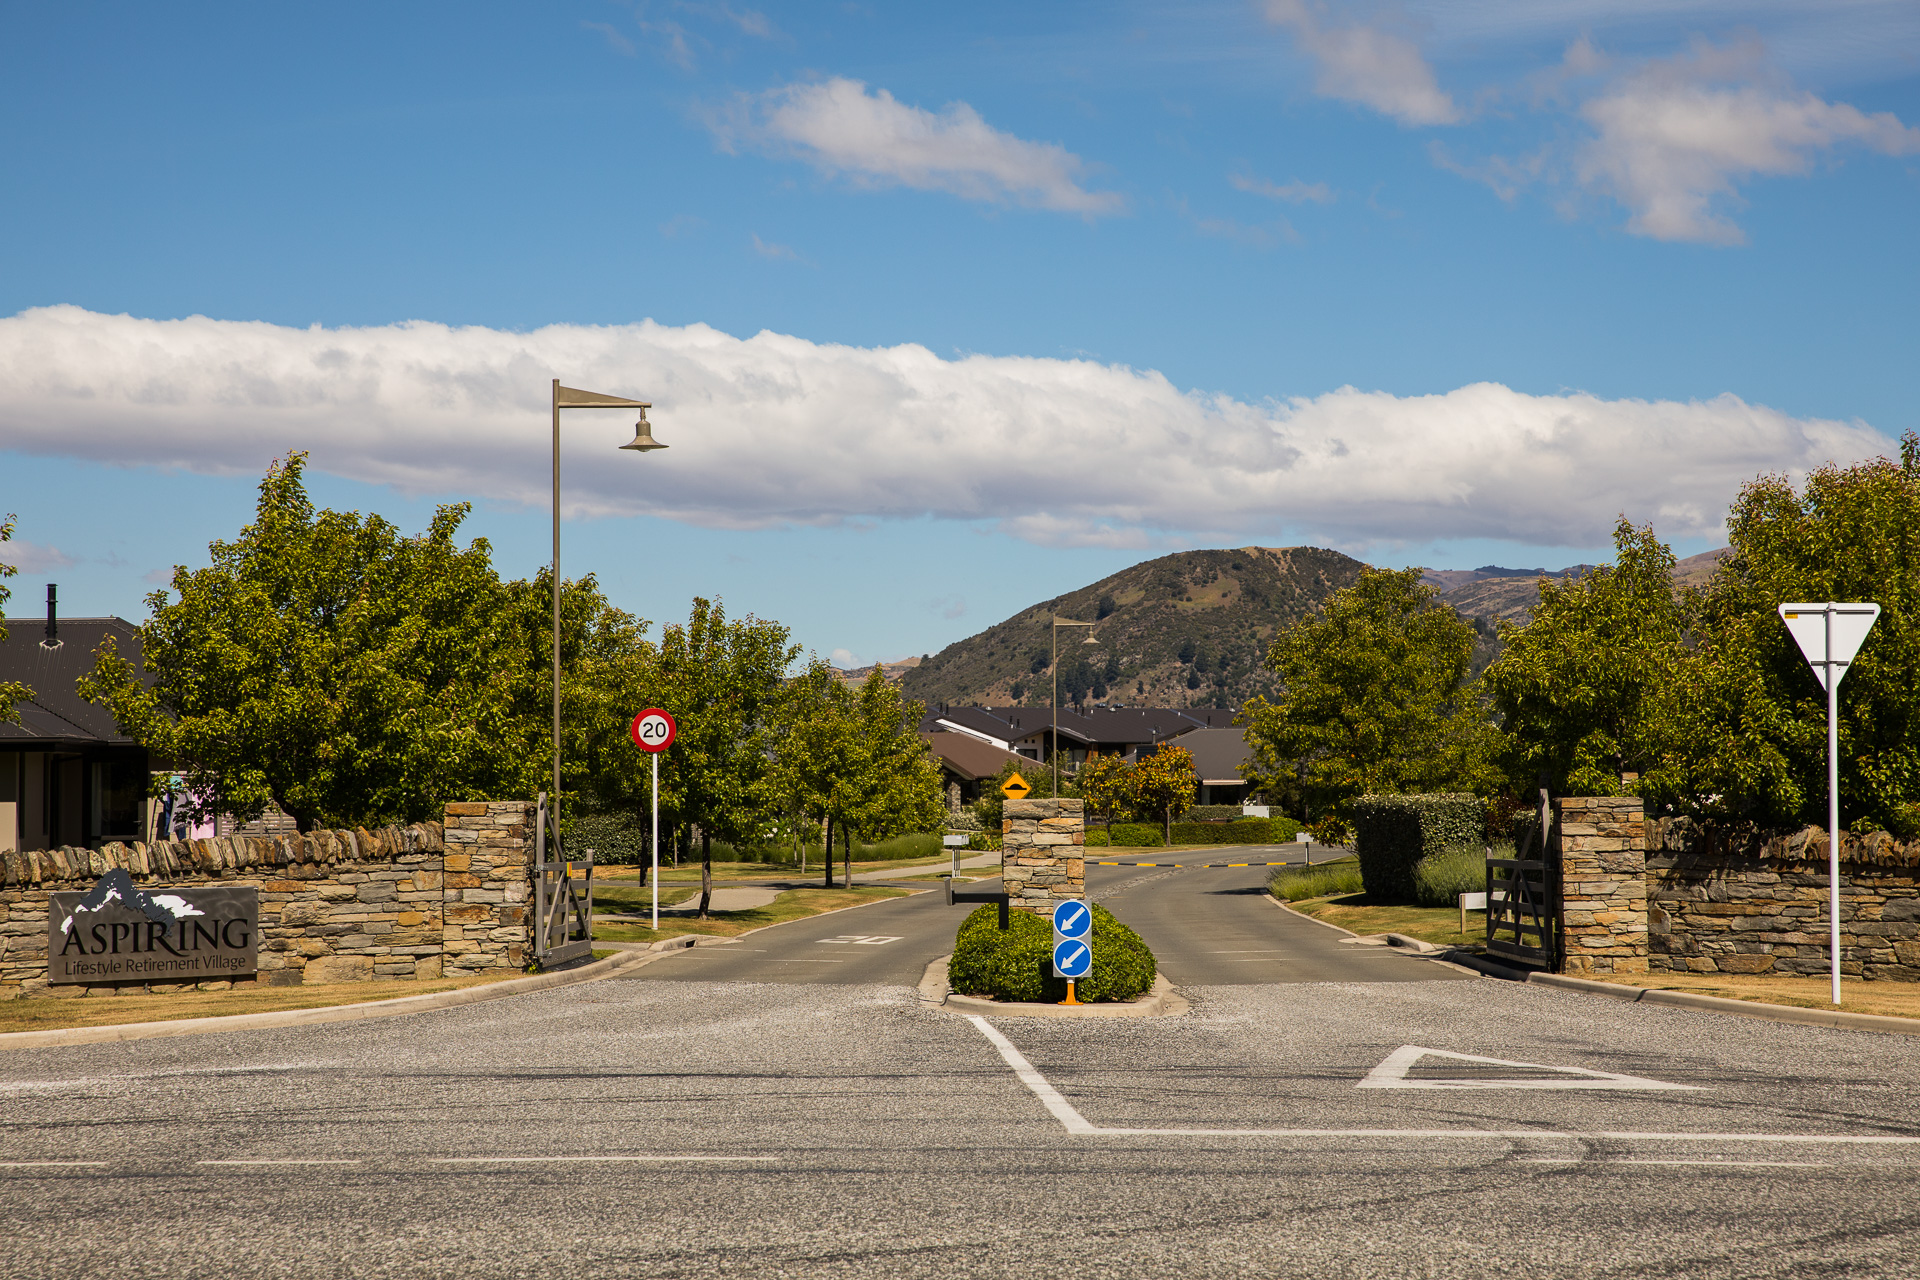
column 1072, row 943
column 1072, row 958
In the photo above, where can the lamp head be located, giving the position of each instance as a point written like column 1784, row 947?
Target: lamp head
column 643, row 441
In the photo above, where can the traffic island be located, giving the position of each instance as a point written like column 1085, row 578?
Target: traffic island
column 1161, row 1001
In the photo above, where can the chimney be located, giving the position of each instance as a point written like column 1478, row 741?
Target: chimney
column 53, row 617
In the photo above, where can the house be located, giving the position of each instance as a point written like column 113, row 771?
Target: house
column 1128, row 732
column 965, row 763
column 1220, row 759
column 68, row 776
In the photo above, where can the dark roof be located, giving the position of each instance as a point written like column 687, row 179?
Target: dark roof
column 1219, row 755
column 1122, row 726
column 969, row 757
column 56, row 715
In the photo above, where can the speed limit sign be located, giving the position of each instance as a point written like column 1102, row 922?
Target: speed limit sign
column 652, row 730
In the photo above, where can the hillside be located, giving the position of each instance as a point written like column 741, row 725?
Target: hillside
column 1188, row 629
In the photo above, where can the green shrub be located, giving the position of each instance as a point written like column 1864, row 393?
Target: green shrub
column 1254, row 832
column 1211, row 813
column 617, row 839
column 921, row 844
column 1297, row 884
column 1392, row 834
column 1439, row 879
column 1018, row 964
column 1097, row 839
column 1137, row 835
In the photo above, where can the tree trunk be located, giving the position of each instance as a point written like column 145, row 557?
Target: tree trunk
column 826, row 842
column 706, row 871
column 846, row 838
column 1167, row 815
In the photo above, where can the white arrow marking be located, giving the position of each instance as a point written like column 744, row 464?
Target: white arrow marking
column 1392, row 1074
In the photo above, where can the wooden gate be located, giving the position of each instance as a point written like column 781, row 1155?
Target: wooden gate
column 562, row 900
column 1523, row 899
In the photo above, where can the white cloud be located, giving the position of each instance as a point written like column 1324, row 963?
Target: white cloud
column 1295, row 192
column 767, row 249
column 1677, row 134
column 875, row 140
column 1367, row 65
column 774, row 430
column 34, row 557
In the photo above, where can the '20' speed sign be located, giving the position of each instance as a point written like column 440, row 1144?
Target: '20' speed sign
column 652, row 730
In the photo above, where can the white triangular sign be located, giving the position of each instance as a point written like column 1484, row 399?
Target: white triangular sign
column 1392, row 1074
column 1811, row 624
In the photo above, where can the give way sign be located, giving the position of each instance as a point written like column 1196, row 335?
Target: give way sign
column 1829, row 635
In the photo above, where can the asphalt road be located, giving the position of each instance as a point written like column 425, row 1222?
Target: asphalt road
column 784, row 1126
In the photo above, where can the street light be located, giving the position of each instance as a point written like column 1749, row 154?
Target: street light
column 642, row 442
column 1054, row 744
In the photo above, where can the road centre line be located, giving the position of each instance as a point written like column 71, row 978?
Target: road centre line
column 594, row 1159
column 1078, row 1125
column 1692, row 1164
column 53, row 1164
column 277, row 1161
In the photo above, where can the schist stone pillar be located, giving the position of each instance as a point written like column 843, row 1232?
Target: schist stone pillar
column 1043, row 853
column 1603, row 878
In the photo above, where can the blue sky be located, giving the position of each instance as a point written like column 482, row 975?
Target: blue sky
column 946, row 309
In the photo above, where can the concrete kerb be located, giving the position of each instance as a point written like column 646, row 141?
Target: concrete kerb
column 1161, row 1001
column 333, row 1013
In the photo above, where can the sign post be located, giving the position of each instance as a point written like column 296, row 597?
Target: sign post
column 1072, row 943
column 653, row 731
column 1829, row 635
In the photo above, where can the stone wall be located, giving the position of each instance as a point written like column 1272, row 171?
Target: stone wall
column 1042, row 853
column 1725, row 901
column 1599, row 841
column 335, row 906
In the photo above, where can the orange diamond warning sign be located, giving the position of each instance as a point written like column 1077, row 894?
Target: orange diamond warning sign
column 1016, row 788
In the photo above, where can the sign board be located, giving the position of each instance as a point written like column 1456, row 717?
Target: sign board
column 653, row 730
column 1829, row 635
column 117, row 932
column 1016, row 788
column 952, row 841
column 1072, row 939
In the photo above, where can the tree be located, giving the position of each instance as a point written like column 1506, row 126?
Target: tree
column 1750, row 742
column 856, row 761
column 1373, row 699
column 12, row 692
column 1158, row 784
column 1105, row 784
column 724, row 683
column 1585, row 689
column 330, row 665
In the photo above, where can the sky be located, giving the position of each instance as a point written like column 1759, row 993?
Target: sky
column 944, row 309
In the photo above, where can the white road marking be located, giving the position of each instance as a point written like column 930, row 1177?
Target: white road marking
column 276, row 1162
column 1079, row 1125
column 53, row 1164
column 589, row 1159
column 1392, row 1074
column 858, row 940
column 1249, row 951
column 1692, row 1164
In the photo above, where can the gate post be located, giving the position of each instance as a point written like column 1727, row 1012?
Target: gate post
column 1601, row 845
column 1043, row 860
column 484, row 895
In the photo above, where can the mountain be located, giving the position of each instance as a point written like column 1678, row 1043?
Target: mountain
column 1192, row 628
column 1188, row 629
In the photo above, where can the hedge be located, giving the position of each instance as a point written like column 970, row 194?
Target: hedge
column 1212, row 813
column 1137, row 835
column 1392, row 834
column 1018, row 964
column 1097, row 839
column 1247, row 831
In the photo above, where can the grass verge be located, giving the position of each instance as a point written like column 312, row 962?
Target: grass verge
column 1438, row 925
column 795, row 904
column 44, row 1013
column 1893, row 999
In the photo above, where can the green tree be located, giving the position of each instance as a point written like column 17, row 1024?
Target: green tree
column 1374, row 699
column 1751, row 737
column 1159, row 784
column 855, row 760
column 12, row 692
column 326, row 663
column 724, row 683
column 1585, row 689
column 1104, row 784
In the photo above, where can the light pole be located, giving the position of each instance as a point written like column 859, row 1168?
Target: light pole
column 642, row 442
column 1054, row 744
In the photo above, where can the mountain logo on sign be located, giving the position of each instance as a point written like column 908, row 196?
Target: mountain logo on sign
column 117, row 887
